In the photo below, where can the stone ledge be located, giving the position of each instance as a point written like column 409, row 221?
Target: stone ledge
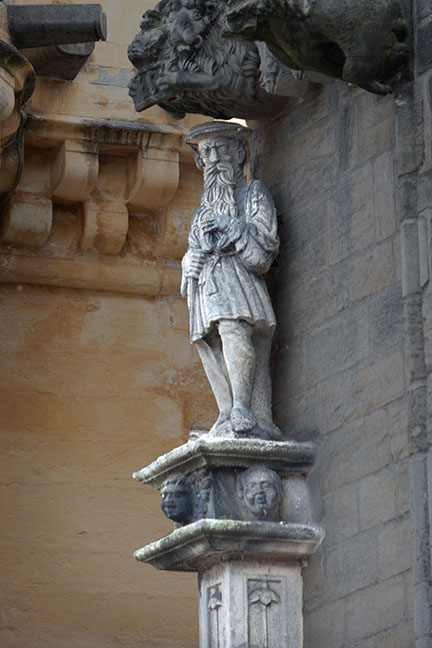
column 233, row 453
column 144, row 279
column 207, row 542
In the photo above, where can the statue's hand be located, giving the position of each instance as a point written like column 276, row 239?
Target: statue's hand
column 192, row 263
column 235, row 230
column 223, row 221
column 215, row 222
column 209, row 224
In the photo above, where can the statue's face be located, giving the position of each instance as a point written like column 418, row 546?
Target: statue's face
column 176, row 502
column 260, row 493
column 222, row 149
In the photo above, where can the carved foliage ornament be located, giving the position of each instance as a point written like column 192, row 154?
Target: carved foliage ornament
column 363, row 42
column 185, row 66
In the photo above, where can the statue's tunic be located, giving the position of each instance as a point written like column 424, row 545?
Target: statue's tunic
column 230, row 285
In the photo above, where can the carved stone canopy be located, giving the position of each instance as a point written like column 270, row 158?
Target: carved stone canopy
column 184, row 65
column 364, row 43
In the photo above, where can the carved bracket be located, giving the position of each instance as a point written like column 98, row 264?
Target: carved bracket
column 249, row 480
column 109, row 180
column 364, row 43
column 185, row 65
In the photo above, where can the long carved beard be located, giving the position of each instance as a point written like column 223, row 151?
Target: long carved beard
column 218, row 197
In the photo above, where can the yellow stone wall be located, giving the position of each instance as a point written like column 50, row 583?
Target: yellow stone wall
column 98, row 379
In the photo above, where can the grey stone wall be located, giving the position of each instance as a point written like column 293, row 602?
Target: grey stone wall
column 351, row 174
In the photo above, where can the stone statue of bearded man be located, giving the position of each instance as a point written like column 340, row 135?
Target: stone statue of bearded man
column 232, row 242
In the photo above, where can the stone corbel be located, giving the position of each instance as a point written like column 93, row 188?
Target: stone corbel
column 27, row 216
column 137, row 181
column 156, row 179
column 184, row 65
column 365, row 43
column 105, row 223
column 66, row 175
column 105, row 215
column 109, row 179
column 75, row 171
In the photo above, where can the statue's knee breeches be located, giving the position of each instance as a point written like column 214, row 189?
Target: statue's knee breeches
column 235, row 328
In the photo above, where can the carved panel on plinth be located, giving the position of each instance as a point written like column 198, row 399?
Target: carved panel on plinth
column 248, row 604
column 215, row 602
column 264, row 609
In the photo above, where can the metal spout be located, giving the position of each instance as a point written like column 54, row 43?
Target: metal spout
column 43, row 25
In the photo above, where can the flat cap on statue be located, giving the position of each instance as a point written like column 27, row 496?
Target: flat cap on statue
column 216, row 129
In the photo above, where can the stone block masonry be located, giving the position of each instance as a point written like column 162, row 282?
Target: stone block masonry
column 341, row 362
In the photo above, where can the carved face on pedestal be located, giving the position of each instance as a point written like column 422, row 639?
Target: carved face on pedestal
column 176, row 501
column 261, row 491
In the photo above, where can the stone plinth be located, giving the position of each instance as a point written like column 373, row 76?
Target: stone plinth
column 239, row 453
column 209, row 542
column 244, row 523
column 212, row 466
column 251, row 605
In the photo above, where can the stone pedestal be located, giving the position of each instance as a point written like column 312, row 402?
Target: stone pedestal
column 244, row 523
column 253, row 604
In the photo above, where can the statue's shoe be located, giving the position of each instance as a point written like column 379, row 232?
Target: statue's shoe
column 267, row 430
column 222, row 427
column 242, row 419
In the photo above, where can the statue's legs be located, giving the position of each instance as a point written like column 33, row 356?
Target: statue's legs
column 235, row 358
column 240, row 360
column 210, row 352
column 261, row 393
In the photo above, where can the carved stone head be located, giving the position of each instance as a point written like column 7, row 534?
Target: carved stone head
column 187, row 23
column 218, row 142
column 177, row 499
column 148, row 44
column 260, row 489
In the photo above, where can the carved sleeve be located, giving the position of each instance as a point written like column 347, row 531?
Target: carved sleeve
column 259, row 243
column 193, row 244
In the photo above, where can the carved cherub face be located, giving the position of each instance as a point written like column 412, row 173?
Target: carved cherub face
column 176, row 500
column 261, row 491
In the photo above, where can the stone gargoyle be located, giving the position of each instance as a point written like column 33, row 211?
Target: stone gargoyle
column 364, row 42
column 184, row 65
